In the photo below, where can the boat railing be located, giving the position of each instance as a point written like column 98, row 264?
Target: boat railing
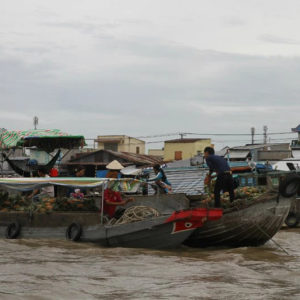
column 256, row 179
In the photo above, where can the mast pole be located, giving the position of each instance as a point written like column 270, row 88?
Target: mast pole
column 104, row 186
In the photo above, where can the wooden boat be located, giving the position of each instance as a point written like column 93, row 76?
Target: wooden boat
column 166, row 231
column 254, row 179
column 293, row 218
column 249, row 225
column 46, row 140
column 173, row 224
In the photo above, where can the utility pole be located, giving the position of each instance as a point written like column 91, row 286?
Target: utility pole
column 182, row 135
column 265, row 129
column 252, row 135
column 35, row 122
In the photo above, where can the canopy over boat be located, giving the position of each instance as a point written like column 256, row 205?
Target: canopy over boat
column 45, row 139
column 25, row 184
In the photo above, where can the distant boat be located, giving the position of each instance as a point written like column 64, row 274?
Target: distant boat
column 46, row 140
column 288, row 164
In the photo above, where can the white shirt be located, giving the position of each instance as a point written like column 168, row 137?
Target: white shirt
column 49, row 190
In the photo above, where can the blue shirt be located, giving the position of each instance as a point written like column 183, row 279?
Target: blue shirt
column 159, row 176
column 217, row 163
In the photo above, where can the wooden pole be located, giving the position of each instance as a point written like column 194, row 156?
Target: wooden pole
column 104, row 186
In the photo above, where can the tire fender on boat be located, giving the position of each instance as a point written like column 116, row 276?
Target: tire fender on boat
column 289, row 186
column 292, row 220
column 13, row 230
column 73, row 232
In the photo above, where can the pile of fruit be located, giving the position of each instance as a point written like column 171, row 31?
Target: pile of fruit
column 12, row 202
column 45, row 205
column 242, row 195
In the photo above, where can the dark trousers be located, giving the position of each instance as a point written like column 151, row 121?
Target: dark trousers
column 158, row 188
column 224, row 182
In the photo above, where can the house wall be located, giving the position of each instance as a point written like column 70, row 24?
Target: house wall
column 261, row 152
column 124, row 143
column 100, row 146
column 282, row 146
column 156, row 152
column 130, row 144
column 273, row 155
column 188, row 150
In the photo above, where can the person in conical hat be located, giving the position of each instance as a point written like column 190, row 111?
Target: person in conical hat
column 114, row 168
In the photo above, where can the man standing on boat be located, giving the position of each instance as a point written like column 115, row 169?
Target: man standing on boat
column 224, row 179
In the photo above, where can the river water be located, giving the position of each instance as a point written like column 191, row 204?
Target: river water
column 50, row 269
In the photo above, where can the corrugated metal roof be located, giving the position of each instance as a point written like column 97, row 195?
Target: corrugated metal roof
column 222, row 152
column 256, row 146
column 179, row 163
column 185, row 180
column 133, row 158
column 297, row 129
column 138, row 158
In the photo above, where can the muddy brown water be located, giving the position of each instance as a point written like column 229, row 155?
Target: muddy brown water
column 51, row 269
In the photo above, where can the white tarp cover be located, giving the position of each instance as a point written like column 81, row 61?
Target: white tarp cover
column 131, row 170
column 234, row 154
column 27, row 184
column 296, row 153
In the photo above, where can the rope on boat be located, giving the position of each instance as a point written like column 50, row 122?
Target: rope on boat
column 277, row 244
column 135, row 214
column 267, row 235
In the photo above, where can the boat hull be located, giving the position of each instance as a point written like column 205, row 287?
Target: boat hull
column 153, row 233
column 169, row 230
column 251, row 226
column 159, row 232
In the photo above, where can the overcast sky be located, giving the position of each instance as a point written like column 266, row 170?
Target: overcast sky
column 141, row 67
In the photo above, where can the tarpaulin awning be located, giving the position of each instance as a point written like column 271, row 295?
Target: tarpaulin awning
column 26, row 184
column 46, row 139
column 238, row 154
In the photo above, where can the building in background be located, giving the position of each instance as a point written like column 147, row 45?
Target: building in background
column 156, row 152
column 297, row 130
column 295, row 144
column 97, row 161
column 120, row 143
column 185, row 148
column 260, row 152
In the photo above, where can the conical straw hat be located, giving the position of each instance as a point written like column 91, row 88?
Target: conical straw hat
column 114, row 165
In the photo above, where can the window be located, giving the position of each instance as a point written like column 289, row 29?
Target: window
column 111, row 146
column 291, row 166
column 137, row 150
column 178, row 155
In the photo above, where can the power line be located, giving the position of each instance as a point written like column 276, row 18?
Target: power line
column 261, row 141
column 214, row 141
column 239, row 134
column 158, row 135
column 212, row 134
